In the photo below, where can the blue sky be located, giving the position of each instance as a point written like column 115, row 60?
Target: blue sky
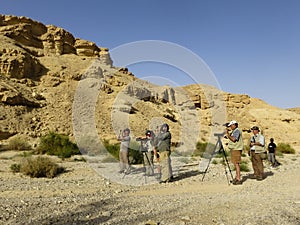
column 252, row 47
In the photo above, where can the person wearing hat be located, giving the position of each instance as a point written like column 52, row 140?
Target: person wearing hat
column 124, row 150
column 148, row 152
column 163, row 146
column 235, row 145
column 257, row 146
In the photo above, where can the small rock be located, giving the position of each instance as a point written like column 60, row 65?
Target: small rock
column 107, row 214
column 186, row 218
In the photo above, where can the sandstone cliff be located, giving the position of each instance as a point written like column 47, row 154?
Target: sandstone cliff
column 52, row 81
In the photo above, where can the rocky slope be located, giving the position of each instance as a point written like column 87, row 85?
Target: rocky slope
column 52, row 81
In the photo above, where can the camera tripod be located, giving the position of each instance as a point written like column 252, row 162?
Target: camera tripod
column 220, row 149
column 144, row 151
column 150, row 164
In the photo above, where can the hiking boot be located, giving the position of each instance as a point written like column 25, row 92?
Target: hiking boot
column 259, row 178
column 253, row 176
column 237, row 182
column 165, row 181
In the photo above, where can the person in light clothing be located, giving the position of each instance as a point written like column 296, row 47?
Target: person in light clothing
column 257, row 146
column 235, row 145
column 124, row 151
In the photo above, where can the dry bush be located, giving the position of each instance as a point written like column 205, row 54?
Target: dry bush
column 40, row 167
column 285, row 148
column 18, row 143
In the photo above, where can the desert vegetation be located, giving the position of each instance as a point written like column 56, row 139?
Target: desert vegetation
column 42, row 166
column 18, row 143
column 38, row 167
column 135, row 156
column 58, row 145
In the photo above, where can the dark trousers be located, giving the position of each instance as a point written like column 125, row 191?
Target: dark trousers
column 257, row 164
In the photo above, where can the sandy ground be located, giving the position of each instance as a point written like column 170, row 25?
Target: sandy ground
column 83, row 196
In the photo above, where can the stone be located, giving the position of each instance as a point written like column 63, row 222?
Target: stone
column 86, row 48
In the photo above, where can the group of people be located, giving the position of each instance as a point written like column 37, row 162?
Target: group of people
column 154, row 147
column 257, row 150
column 157, row 147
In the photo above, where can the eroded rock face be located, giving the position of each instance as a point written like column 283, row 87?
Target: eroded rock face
column 19, row 64
column 145, row 91
column 39, row 39
column 14, row 94
column 23, row 30
column 57, row 41
column 86, row 48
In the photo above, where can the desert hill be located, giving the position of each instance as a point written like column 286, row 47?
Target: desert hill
column 52, row 81
column 297, row 110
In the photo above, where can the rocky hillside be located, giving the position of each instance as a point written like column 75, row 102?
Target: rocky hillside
column 52, row 81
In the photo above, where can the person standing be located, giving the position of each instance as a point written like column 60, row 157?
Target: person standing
column 257, row 146
column 235, row 145
column 124, row 151
column 272, row 152
column 148, row 153
column 163, row 146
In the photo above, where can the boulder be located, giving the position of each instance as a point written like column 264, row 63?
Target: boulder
column 86, row 48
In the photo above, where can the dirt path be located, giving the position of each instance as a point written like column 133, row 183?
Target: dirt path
column 82, row 196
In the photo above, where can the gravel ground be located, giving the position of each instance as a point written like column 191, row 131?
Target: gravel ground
column 82, row 196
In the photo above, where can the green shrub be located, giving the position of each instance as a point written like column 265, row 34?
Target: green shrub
column 40, row 167
column 221, row 154
column 285, row 148
column 244, row 154
column 244, row 166
column 15, row 168
column 246, row 148
column 18, row 143
column 57, row 144
column 135, row 156
column 214, row 162
column 113, row 149
column 203, row 147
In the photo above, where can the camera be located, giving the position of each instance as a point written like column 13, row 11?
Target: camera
column 219, row 134
column 141, row 139
column 247, row 130
column 225, row 124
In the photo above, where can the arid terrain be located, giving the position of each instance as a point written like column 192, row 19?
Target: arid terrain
column 53, row 81
column 83, row 196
